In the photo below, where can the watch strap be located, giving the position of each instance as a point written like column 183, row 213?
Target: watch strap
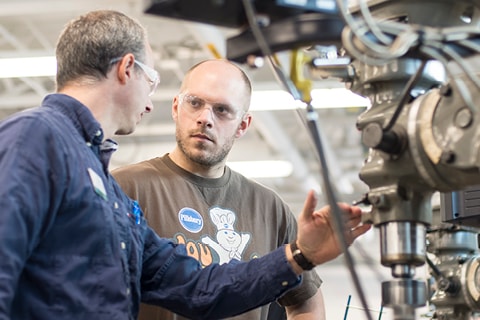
column 299, row 258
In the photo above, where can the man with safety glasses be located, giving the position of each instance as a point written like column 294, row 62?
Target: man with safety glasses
column 220, row 214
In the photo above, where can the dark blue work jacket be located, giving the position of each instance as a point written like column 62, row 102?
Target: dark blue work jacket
column 74, row 246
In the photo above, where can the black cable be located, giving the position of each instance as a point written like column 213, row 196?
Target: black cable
column 405, row 95
column 434, row 268
column 312, row 125
column 265, row 49
column 312, row 117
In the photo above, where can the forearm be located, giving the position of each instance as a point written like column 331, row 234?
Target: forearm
column 311, row 309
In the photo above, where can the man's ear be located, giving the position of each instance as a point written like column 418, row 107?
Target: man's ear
column 125, row 67
column 175, row 104
column 244, row 125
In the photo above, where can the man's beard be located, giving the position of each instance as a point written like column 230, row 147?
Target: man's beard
column 206, row 160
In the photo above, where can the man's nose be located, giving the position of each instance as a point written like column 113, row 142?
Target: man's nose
column 206, row 114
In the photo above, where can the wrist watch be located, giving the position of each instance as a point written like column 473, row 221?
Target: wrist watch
column 300, row 258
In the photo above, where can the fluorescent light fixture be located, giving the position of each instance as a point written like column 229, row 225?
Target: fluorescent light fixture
column 262, row 169
column 321, row 98
column 28, row 67
column 45, row 66
column 337, row 98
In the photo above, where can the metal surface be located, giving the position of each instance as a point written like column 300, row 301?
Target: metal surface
column 422, row 133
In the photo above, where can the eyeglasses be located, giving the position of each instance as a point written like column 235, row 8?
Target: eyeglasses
column 194, row 104
column 152, row 74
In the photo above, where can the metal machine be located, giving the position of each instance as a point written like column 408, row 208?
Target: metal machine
column 422, row 132
column 453, row 256
column 419, row 63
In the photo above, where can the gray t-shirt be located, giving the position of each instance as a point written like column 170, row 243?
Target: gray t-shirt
column 218, row 220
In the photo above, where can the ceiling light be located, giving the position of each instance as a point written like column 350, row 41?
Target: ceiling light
column 321, row 98
column 28, row 67
column 337, row 98
column 44, row 66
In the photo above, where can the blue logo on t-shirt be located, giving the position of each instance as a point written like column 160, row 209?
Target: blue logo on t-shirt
column 190, row 219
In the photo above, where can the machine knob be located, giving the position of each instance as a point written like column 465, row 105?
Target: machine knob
column 373, row 136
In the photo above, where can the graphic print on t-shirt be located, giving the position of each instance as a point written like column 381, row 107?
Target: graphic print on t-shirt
column 190, row 219
column 229, row 244
column 226, row 243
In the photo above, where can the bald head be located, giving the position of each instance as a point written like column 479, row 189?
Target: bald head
column 219, row 74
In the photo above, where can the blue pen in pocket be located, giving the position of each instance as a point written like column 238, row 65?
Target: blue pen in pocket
column 136, row 212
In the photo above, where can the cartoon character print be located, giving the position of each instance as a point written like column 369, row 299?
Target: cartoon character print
column 229, row 244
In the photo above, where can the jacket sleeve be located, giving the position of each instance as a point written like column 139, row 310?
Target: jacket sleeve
column 28, row 195
column 175, row 281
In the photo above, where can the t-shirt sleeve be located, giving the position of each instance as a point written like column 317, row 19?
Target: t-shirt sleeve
column 310, row 280
column 309, row 286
